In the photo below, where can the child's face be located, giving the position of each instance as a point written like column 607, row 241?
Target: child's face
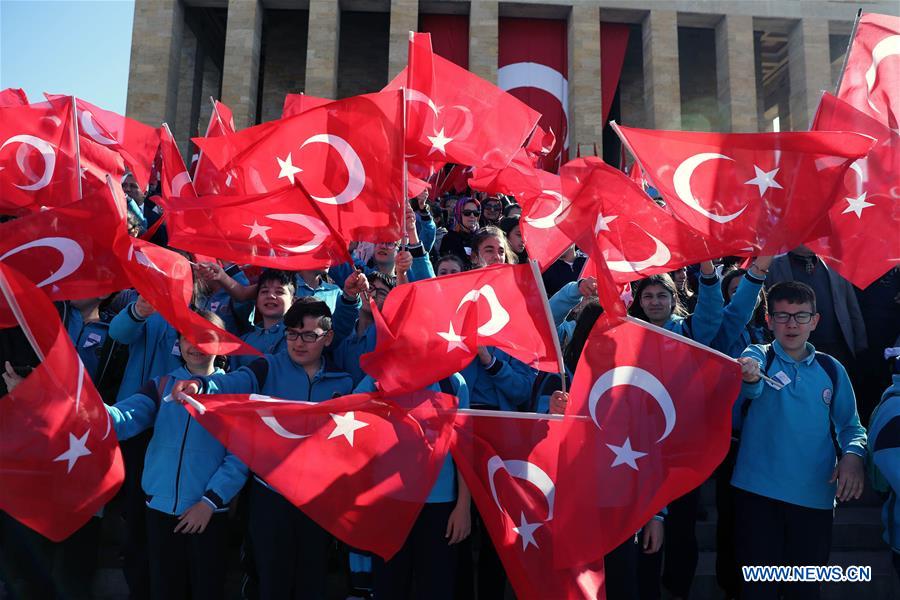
column 273, row 299
column 305, row 352
column 792, row 335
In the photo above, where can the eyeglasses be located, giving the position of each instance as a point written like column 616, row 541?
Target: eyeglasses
column 307, row 336
column 471, row 213
column 492, row 205
column 802, row 318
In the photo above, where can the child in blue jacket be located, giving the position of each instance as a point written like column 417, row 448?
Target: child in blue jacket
column 189, row 478
column 884, row 436
column 274, row 297
column 786, row 474
column 290, row 550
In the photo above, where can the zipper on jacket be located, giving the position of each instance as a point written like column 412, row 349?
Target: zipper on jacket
column 180, row 460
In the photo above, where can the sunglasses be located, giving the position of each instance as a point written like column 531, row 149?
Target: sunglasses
column 307, row 336
column 471, row 213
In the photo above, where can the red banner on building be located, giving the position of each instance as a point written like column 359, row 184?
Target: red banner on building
column 449, row 36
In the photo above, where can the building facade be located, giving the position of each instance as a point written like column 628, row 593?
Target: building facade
column 715, row 65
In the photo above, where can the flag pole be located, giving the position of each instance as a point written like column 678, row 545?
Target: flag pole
column 403, row 233
column 77, row 146
column 553, row 334
column 837, row 86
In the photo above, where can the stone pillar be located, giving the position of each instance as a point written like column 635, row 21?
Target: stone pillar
column 240, row 73
column 484, row 37
column 809, row 68
column 662, row 86
column 322, row 48
column 585, row 100
column 736, row 73
column 181, row 127
column 404, row 18
column 155, row 53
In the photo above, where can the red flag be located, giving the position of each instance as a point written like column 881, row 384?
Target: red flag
column 208, row 179
column 294, row 104
column 174, row 177
column 871, row 78
column 768, row 191
column 283, row 230
column 38, row 158
column 455, row 116
column 660, row 407
column 165, row 280
column 136, row 142
column 542, row 214
column 346, row 155
column 13, row 97
column 864, row 243
column 67, row 251
column 519, row 178
column 96, row 163
column 417, row 324
column 360, row 466
column 59, row 457
column 509, row 463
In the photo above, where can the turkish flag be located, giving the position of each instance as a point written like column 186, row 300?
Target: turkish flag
column 455, row 116
column 660, row 409
column 174, row 177
column 38, row 158
column 68, row 251
column 97, row 162
column 519, row 178
column 768, row 191
column 59, row 456
column 636, row 237
column 208, row 179
column 865, row 221
column 165, row 280
column 871, row 77
column 510, row 464
column 415, row 323
column 361, row 466
column 346, row 155
column 13, row 97
column 294, row 104
column 136, row 142
column 533, row 67
column 282, row 230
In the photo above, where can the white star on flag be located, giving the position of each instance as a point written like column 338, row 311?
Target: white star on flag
column 526, row 530
column 764, row 180
column 288, row 170
column 439, row 142
column 625, row 455
column 454, row 340
column 345, row 425
column 857, row 205
column 77, row 449
column 257, row 230
column 603, row 223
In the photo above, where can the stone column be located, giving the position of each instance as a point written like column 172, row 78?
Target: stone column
column 662, row 87
column 155, row 53
column 585, row 100
column 484, row 36
column 240, row 73
column 809, row 68
column 736, row 73
column 322, row 48
column 404, row 18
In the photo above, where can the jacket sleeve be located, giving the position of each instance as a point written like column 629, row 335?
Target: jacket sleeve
column 753, row 390
column 512, row 379
column 246, row 380
column 737, row 313
column 426, row 230
column 421, row 266
column 857, row 324
column 126, row 327
column 136, row 413
column 346, row 313
column 226, row 482
column 707, row 317
column 851, row 435
column 563, row 301
column 462, row 390
column 366, row 386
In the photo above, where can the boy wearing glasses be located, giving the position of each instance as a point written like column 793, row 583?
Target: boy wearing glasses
column 787, row 472
column 290, row 550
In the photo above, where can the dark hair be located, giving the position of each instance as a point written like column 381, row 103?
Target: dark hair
column 507, row 224
column 308, row 306
column 509, row 208
column 590, row 312
column 793, row 292
column 489, row 231
column 664, row 280
column 284, row 278
column 452, row 258
column 389, row 281
column 759, row 313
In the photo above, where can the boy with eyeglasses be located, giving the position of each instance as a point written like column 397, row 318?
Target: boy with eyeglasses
column 799, row 410
column 290, row 550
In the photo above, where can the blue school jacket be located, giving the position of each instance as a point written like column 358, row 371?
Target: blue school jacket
column 184, row 463
column 884, row 439
column 326, row 292
column 505, row 384
column 267, row 341
column 733, row 338
column 152, row 348
column 786, row 450
column 704, row 323
column 88, row 338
